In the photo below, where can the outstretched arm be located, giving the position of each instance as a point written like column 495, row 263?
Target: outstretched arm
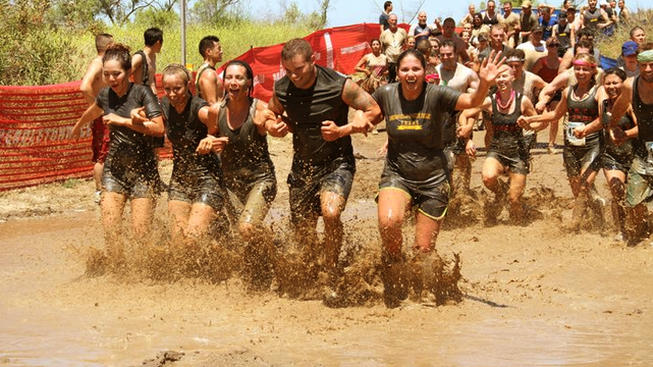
column 554, row 115
column 91, row 113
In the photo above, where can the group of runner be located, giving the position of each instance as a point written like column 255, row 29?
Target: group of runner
column 220, row 151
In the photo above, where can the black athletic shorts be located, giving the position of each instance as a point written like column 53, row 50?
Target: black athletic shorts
column 517, row 163
column 197, row 188
column 306, row 184
column 430, row 198
column 611, row 161
column 131, row 174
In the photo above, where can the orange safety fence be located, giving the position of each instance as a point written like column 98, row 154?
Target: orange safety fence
column 35, row 121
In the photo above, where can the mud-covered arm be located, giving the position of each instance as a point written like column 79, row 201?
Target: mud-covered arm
column 550, row 89
column 554, row 115
column 273, row 120
column 259, row 117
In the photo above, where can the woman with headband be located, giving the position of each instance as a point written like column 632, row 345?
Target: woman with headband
column 130, row 170
column 583, row 138
column 246, row 164
column 195, row 193
column 638, row 93
column 617, row 158
column 508, row 149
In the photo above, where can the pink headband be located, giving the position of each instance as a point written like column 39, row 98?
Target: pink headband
column 583, row 63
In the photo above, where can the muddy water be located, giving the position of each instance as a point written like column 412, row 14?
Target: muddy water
column 535, row 297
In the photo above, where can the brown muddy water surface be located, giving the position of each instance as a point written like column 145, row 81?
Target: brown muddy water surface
column 534, row 295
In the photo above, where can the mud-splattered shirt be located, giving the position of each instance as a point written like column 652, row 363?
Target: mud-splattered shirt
column 415, row 129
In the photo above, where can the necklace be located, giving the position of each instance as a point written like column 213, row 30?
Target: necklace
column 507, row 104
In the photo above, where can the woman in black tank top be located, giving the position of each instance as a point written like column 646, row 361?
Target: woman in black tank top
column 507, row 151
column 194, row 193
column 617, row 158
column 583, row 136
column 130, row 169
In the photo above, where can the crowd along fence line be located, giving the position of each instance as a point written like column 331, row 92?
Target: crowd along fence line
column 35, row 121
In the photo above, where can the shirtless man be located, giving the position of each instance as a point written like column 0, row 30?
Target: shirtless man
column 207, row 84
column 463, row 79
column 144, row 62
column 92, row 82
column 638, row 92
column 316, row 101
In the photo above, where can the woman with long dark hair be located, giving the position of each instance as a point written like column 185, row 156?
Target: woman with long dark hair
column 248, row 170
column 130, row 171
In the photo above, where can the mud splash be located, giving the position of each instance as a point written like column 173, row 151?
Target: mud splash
column 276, row 262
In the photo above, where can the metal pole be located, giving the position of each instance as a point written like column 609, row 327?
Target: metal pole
column 183, row 32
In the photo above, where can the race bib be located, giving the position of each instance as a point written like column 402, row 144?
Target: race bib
column 571, row 138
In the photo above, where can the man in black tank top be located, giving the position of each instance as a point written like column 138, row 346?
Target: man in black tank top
column 316, row 101
column 144, row 61
column 639, row 93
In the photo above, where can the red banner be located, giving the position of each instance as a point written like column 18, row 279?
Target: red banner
column 35, row 121
column 337, row 48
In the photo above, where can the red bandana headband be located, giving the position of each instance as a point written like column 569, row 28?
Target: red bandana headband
column 583, row 63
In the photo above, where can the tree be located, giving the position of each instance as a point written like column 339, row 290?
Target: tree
column 324, row 8
column 119, row 11
column 208, row 11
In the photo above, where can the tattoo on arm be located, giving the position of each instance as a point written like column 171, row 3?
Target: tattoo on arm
column 356, row 97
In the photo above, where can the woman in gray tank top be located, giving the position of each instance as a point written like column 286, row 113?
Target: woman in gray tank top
column 583, row 136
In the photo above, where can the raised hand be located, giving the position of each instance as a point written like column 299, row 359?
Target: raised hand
column 491, row 66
